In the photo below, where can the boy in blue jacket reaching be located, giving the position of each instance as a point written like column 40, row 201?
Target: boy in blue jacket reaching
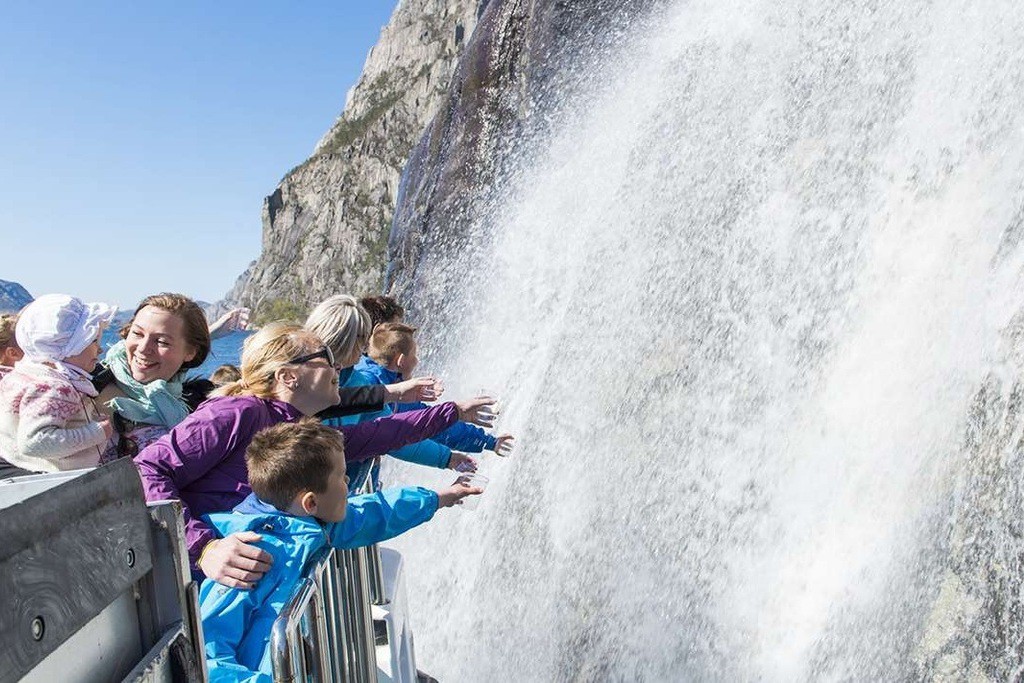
column 299, row 504
column 393, row 354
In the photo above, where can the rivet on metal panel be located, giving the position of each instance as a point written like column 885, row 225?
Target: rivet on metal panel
column 38, row 628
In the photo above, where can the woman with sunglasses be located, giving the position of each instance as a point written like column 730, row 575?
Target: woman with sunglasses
column 287, row 373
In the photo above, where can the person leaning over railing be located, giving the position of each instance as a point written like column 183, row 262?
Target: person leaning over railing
column 297, row 506
column 344, row 326
column 287, row 373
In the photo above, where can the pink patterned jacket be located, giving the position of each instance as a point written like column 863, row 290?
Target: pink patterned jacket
column 46, row 424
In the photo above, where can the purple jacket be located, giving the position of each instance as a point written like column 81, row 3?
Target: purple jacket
column 201, row 462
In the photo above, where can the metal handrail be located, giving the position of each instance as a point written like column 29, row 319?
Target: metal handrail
column 300, row 638
column 361, row 654
column 374, row 567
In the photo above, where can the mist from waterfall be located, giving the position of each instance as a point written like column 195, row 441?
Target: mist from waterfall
column 744, row 312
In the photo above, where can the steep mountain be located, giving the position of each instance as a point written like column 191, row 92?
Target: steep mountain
column 325, row 227
column 13, row 297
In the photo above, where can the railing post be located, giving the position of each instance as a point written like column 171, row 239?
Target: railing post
column 303, row 638
column 373, row 564
column 337, row 635
column 361, row 650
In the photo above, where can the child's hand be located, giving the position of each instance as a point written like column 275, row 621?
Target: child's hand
column 460, row 462
column 108, row 428
column 235, row 319
column 479, row 411
column 233, row 562
column 416, row 390
column 455, row 493
column 504, row 445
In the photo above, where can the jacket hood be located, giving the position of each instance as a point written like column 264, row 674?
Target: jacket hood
column 253, row 514
column 371, row 367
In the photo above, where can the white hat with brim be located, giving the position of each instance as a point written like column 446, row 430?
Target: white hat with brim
column 57, row 326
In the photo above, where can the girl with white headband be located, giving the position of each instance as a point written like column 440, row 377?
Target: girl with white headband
column 48, row 419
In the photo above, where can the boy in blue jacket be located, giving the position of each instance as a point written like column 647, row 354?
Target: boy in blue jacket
column 299, row 504
column 393, row 354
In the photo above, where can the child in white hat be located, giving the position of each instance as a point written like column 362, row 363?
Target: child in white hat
column 48, row 419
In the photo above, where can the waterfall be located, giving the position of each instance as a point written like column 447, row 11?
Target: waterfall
column 752, row 310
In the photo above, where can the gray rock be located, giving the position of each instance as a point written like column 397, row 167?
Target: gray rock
column 325, row 227
column 523, row 59
column 13, row 297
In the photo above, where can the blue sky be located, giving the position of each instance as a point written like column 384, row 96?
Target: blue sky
column 139, row 138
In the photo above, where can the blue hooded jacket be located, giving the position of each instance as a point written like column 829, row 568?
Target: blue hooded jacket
column 427, row 452
column 236, row 623
column 461, row 436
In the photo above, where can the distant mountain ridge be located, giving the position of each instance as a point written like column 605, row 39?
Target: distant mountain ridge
column 13, row 297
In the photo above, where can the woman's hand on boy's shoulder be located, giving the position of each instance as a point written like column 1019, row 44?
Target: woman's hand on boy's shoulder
column 234, row 562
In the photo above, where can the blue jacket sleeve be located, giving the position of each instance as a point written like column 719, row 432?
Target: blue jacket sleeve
column 427, row 452
column 375, row 517
column 226, row 615
column 466, row 437
column 461, row 436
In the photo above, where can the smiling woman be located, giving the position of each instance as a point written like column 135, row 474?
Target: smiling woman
column 142, row 383
column 167, row 334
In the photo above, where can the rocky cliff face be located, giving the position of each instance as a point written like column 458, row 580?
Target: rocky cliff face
column 325, row 227
column 524, row 59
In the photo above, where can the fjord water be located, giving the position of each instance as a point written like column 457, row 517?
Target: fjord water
column 753, row 314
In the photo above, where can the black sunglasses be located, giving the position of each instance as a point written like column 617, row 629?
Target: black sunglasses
column 324, row 353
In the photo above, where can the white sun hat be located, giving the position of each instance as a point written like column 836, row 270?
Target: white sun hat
column 56, row 326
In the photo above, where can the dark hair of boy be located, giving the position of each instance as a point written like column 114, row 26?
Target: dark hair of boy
column 292, row 458
column 225, row 374
column 391, row 339
column 382, row 309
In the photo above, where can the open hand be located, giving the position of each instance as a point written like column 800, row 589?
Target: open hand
column 233, row 562
column 235, row 319
column 455, row 493
column 479, row 410
column 416, row 390
column 504, row 445
column 460, row 462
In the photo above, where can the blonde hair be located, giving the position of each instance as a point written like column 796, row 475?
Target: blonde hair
column 225, row 374
column 341, row 323
column 7, row 323
column 263, row 354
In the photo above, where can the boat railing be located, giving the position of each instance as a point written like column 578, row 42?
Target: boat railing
column 97, row 585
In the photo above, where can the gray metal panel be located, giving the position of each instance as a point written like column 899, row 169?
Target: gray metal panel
column 65, row 555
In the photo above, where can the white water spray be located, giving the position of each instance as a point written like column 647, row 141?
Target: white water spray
column 739, row 312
